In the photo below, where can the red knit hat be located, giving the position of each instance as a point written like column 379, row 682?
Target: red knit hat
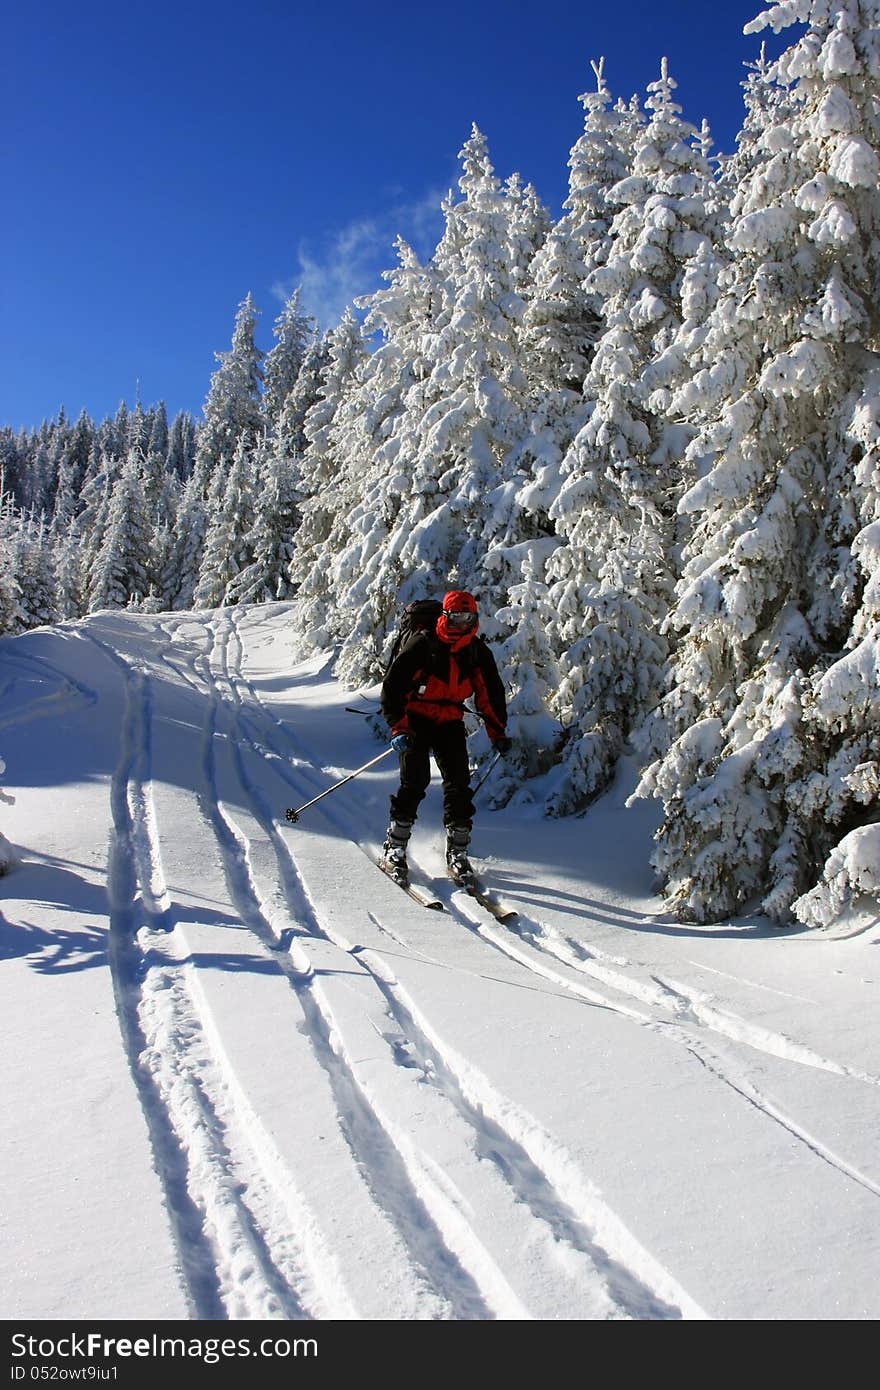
column 459, row 601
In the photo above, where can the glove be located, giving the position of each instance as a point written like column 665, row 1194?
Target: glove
column 503, row 745
column 400, row 743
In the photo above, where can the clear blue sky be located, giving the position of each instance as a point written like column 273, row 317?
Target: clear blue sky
column 160, row 160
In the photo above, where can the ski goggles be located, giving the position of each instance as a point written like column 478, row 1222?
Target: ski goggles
column 461, row 618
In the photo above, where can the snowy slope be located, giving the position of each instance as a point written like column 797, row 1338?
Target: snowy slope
column 245, row 1077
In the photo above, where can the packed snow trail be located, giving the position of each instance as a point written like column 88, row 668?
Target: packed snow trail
column 358, row 1109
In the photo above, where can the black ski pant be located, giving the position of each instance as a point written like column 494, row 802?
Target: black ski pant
column 448, row 743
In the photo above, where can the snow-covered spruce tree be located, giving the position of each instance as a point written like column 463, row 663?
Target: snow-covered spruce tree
column 227, row 549
column 71, row 464
column 180, row 456
column 54, row 436
column 156, row 599
column 157, row 431
column 13, row 455
column 562, row 318
column 561, row 323
column 38, row 496
column 529, row 669
column 439, row 498
column 140, row 425
column 834, row 806
column 70, row 573
column 529, row 225
column 465, row 519
column 294, row 333
column 281, row 470
column 161, row 488
column 768, row 105
column 116, row 438
column 232, row 412
column 343, row 535
column 120, row 572
column 765, row 770
column 325, row 501
column 10, row 592
column 162, row 511
column 610, row 582
column 233, row 405
column 44, row 463
column 180, row 577
column 10, row 608
column 289, row 440
column 33, row 563
column 94, row 515
column 160, row 433
column 271, row 538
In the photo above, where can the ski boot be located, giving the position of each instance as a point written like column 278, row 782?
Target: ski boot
column 457, row 840
column 393, row 861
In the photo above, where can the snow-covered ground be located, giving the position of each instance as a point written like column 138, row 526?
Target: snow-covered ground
column 245, row 1077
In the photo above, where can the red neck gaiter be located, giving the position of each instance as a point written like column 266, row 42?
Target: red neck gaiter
column 453, row 639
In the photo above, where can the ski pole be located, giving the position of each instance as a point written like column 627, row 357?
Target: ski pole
column 293, row 814
column 486, row 774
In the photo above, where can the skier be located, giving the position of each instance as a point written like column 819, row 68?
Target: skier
column 423, row 698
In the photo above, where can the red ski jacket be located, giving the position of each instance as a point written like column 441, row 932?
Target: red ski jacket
column 431, row 679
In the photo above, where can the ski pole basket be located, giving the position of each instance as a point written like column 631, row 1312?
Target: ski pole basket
column 293, row 814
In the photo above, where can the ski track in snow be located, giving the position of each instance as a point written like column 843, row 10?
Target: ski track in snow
column 693, row 1018
column 687, row 1005
column 240, row 1258
column 126, row 966
column 251, row 1243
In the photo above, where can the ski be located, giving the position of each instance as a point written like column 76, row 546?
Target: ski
column 501, row 911
column 419, row 895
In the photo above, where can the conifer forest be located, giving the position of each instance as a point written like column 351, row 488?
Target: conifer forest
column 646, row 435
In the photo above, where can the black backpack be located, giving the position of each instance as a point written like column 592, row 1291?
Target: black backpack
column 420, row 616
